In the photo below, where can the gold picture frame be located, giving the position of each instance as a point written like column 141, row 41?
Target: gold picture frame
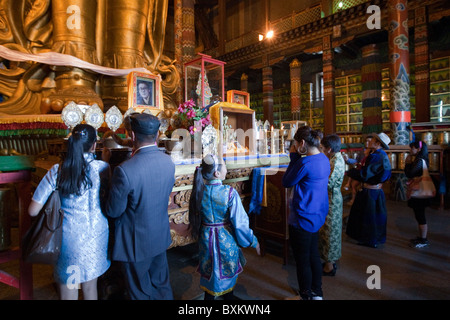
column 144, row 92
column 240, row 97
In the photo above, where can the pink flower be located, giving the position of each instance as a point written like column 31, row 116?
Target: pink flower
column 188, row 113
column 190, row 103
column 191, row 114
column 206, row 121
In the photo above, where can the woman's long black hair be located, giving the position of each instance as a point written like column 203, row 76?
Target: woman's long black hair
column 205, row 171
column 73, row 172
column 423, row 153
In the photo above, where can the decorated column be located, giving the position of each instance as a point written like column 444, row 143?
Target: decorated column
column 178, row 31
column 184, row 37
column 329, row 103
column 422, row 61
column 296, row 84
column 400, row 115
column 244, row 82
column 188, row 31
column 268, row 93
column 371, row 90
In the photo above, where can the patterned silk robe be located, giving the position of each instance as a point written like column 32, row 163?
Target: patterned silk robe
column 225, row 228
column 331, row 231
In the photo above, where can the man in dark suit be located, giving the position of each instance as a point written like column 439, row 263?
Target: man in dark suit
column 138, row 200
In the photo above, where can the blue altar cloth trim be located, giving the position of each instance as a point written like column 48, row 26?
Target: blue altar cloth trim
column 188, row 161
column 257, row 156
column 250, row 157
column 442, row 184
column 258, row 188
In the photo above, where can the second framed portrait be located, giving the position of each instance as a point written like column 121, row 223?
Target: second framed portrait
column 144, row 91
column 241, row 97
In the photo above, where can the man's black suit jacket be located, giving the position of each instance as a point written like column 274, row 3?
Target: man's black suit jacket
column 138, row 200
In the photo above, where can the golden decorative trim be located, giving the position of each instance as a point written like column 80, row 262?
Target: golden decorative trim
column 182, row 198
column 184, row 180
column 178, row 240
column 31, row 118
column 295, row 64
column 179, row 217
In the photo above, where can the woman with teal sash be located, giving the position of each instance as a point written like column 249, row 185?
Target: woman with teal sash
column 220, row 223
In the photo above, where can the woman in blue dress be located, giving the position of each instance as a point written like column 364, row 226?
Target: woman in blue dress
column 307, row 175
column 220, row 223
column 81, row 182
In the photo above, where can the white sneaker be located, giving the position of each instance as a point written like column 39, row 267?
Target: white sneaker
column 419, row 243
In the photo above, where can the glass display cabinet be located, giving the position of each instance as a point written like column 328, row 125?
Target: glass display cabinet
column 204, row 80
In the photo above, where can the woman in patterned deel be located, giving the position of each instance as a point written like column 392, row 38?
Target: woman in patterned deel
column 82, row 182
column 330, row 235
column 220, row 223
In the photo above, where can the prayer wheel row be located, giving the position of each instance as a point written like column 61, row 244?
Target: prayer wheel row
column 441, row 138
column 397, row 160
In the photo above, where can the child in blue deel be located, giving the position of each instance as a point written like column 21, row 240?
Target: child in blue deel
column 220, row 223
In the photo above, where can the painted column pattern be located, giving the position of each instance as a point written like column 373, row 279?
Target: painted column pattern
column 184, row 30
column 422, row 61
column 296, row 84
column 329, row 103
column 244, row 82
column 268, row 94
column 400, row 116
column 371, row 90
column 178, row 42
column 188, row 32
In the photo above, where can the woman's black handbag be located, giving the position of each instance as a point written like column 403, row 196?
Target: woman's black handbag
column 42, row 242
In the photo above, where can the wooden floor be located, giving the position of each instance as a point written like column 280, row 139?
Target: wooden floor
column 406, row 273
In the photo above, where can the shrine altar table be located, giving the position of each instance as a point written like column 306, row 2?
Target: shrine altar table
column 239, row 177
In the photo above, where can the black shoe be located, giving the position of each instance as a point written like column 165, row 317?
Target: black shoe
column 331, row 273
column 419, row 243
column 315, row 296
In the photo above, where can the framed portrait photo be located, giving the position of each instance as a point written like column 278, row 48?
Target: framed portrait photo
column 240, row 97
column 144, row 92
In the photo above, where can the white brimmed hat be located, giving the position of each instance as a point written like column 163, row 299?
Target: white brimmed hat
column 383, row 138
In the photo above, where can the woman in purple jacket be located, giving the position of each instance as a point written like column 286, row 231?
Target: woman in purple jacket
column 307, row 174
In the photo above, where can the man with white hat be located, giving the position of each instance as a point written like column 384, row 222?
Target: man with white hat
column 383, row 139
column 368, row 215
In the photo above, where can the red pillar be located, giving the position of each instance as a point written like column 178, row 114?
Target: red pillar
column 268, row 94
column 296, row 84
column 329, row 103
column 371, row 86
column 400, row 115
column 422, row 62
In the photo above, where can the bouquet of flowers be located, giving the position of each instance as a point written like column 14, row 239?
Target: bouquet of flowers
column 190, row 117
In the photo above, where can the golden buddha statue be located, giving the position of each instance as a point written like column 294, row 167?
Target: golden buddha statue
column 119, row 34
